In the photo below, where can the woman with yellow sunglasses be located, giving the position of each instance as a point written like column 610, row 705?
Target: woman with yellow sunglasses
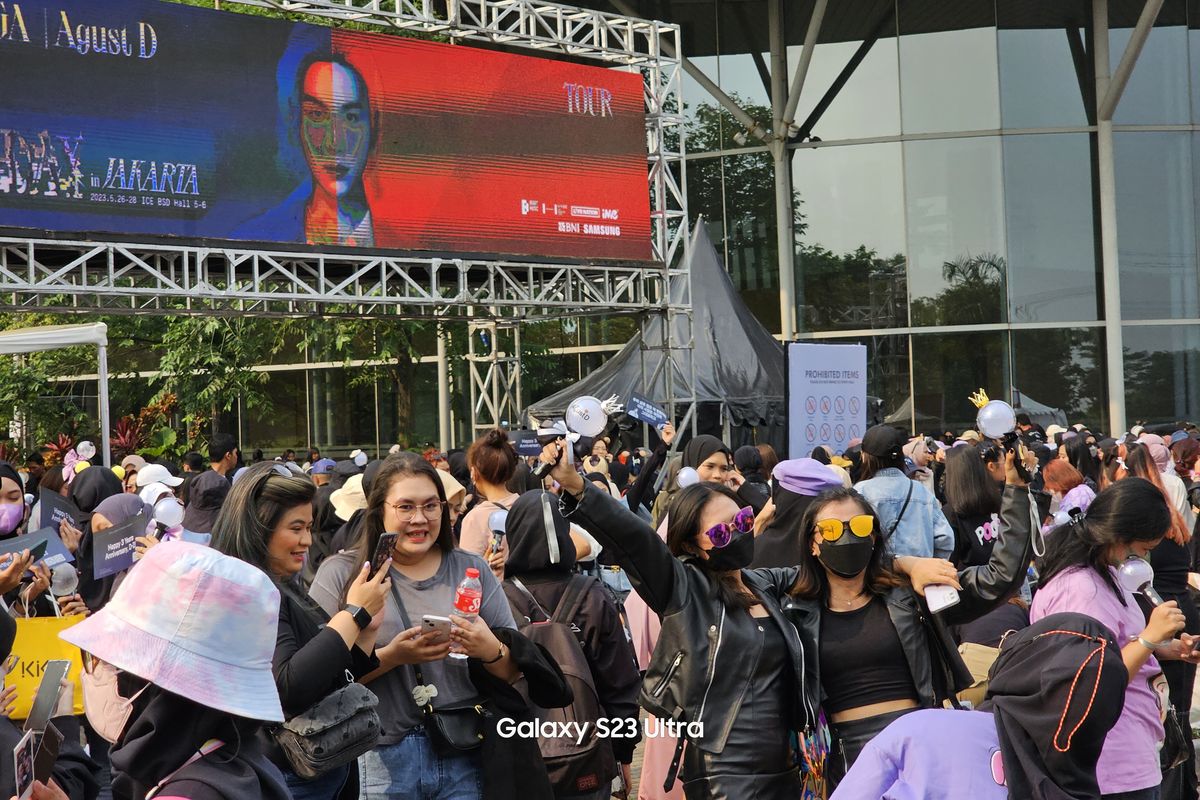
column 879, row 652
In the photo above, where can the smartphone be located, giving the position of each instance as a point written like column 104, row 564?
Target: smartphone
column 47, row 753
column 940, row 597
column 38, row 551
column 23, row 766
column 46, row 699
column 387, row 542
column 430, row 622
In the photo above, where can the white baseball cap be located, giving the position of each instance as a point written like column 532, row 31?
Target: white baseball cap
column 156, row 473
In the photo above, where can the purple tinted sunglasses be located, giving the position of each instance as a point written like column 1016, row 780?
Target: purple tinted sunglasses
column 720, row 535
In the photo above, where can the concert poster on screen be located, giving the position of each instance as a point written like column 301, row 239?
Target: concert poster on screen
column 160, row 121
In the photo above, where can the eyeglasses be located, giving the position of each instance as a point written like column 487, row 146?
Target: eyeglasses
column 430, row 510
column 722, row 533
column 90, row 662
column 831, row 530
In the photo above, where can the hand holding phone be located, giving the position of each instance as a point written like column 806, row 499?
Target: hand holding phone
column 940, row 596
column 431, row 623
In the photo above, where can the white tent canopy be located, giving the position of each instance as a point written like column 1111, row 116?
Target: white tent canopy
column 54, row 337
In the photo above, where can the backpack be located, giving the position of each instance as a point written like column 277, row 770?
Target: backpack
column 575, row 766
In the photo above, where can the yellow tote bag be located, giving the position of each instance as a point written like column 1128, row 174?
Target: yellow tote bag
column 37, row 642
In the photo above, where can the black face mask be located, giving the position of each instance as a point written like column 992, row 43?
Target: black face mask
column 847, row 556
column 736, row 555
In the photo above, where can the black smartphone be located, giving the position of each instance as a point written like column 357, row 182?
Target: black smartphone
column 387, row 542
column 38, row 551
column 47, row 753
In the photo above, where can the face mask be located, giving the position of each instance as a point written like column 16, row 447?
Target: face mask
column 107, row 711
column 847, row 556
column 11, row 516
column 736, row 555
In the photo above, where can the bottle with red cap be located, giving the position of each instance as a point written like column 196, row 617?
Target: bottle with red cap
column 467, row 599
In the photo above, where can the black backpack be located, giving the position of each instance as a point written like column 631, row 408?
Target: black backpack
column 574, row 766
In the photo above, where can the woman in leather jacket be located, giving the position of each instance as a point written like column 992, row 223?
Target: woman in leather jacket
column 727, row 663
column 875, row 650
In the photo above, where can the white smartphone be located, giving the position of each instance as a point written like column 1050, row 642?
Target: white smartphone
column 432, row 622
column 940, row 596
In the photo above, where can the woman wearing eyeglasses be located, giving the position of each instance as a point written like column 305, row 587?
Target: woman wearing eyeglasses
column 880, row 652
column 726, row 661
column 408, row 499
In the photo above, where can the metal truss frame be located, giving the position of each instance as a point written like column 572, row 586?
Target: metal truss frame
column 122, row 277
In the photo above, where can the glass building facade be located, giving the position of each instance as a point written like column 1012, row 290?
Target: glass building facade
column 945, row 195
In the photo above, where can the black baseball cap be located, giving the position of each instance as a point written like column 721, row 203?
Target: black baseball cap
column 884, row 441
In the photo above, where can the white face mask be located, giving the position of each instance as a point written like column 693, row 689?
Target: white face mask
column 107, row 711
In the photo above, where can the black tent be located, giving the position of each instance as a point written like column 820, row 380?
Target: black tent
column 739, row 365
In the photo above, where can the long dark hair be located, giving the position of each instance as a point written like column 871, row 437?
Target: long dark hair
column 683, row 527
column 872, row 464
column 394, row 467
column 1131, row 510
column 812, row 582
column 254, row 506
column 970, row 490
column 1079, row 453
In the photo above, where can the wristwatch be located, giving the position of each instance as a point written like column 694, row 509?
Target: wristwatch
column 362, row 617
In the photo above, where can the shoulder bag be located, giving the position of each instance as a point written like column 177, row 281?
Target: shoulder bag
column 451, row 731
column 336, row 730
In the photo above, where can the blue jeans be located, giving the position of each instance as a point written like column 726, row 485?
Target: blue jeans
column 322, row 787
column 411, row 769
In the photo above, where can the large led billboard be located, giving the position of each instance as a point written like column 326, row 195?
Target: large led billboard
column 149, row 119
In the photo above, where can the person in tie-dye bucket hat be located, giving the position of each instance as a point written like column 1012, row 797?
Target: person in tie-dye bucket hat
column 177, row 674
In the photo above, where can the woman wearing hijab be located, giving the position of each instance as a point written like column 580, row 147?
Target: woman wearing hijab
column 536, row 581
column 89, row 489
column 182, row 686
column 797, row 482
column 12, row 524
column 748, row 462
column 1056, row 691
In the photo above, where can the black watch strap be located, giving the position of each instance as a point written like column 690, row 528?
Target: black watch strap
column 362, row 617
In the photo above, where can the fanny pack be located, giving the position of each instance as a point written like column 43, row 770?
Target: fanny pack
column 454, row 730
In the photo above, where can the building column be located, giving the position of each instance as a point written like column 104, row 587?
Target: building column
column 445, row 437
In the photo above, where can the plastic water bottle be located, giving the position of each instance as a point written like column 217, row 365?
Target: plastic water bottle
column 467, row 599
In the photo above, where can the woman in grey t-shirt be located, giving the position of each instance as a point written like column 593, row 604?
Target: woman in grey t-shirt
column 407, row 498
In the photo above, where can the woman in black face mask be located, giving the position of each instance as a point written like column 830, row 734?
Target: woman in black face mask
column 880, row 652
column 727, row 666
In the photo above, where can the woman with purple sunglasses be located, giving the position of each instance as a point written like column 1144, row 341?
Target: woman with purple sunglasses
column 728, row 671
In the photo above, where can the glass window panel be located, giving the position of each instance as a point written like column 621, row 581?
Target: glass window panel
column 949, row 73
column 1157, row 92
column 955, row 223
column 702, row 114
column 1162, row 373
column 869, row 103
column 1156, row 225
column 1051, row 237
column 887, row 378
column 949, row 368
column 343, row 409
column 1039, row 83
column 850, row 258
column 285, row 423
column 1063, row 368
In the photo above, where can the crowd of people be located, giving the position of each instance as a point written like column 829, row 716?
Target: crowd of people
column 914, row 617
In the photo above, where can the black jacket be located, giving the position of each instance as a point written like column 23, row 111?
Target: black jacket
column 311, row 662
column 699, row 671
column 937, row 669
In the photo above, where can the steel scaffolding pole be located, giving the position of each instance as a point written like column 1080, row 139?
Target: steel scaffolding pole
column 780, row 155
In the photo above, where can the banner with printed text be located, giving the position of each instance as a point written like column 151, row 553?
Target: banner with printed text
column 826, row 396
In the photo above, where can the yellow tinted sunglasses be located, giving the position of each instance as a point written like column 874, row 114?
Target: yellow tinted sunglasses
column 832, row 529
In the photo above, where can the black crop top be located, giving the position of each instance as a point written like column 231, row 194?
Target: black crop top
column 862, row 661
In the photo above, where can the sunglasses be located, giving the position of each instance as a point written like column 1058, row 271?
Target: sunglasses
column 831, row 530
column 720, row 535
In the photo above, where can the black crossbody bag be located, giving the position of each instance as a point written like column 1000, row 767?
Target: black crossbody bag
column 454, row 730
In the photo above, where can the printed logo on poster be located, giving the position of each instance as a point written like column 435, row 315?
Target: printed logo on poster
column 825, row 405
column 810, row 431
column 810, row 405
column 839, row 404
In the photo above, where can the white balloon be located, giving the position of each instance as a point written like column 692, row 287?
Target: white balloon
column 687, row 477
column 85, row 450
column 996, row 419
column 586, row 416
column 168, row 512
